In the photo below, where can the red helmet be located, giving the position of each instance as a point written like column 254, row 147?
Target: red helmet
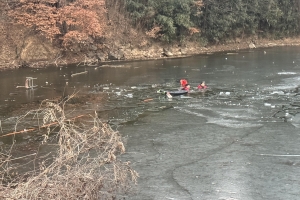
column 183, row 82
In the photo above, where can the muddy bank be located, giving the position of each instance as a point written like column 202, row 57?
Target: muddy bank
column 160, row 51
column 24, row 49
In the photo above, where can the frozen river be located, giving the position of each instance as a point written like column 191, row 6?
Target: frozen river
column 237, row 141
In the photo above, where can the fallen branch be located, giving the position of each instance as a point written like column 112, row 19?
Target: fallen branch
column 147, row 100
column 85, row 72
column 33, row 154
column 44, row 126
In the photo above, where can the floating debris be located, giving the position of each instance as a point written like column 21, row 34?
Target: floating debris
column 232, row 53
column 224, row 93
column 28, row 83
column 79, row 73
column 278, row 92
column 286, row 73
column 147, row 100
column 169, row 95
column 185, row 97
column 267, row 104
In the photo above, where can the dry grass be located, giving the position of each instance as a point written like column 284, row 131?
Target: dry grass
column 85, row 165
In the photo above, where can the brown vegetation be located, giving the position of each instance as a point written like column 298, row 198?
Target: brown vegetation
column 57, row 32
column 85, row 165
column 72, row 23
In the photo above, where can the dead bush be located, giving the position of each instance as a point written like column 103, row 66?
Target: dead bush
column 84, row 166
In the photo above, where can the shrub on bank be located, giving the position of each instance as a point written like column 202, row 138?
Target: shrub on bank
column 84, row 166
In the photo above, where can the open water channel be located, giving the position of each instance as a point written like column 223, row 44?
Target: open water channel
column 240, row 139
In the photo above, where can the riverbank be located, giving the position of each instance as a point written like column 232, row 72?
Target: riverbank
column 189, row 49
column 154, row 51
column 25, row 46
column 38, row 53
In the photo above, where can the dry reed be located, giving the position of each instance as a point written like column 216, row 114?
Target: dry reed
column 85, row 165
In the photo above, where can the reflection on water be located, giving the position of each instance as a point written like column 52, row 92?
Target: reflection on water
column 30, row 95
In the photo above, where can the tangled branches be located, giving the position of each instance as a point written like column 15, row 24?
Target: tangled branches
column 85, row 165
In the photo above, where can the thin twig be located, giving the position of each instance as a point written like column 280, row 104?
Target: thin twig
column 44, row 126
column 33, row 154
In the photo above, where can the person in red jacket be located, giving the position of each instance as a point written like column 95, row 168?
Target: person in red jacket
column 202, row 85
column 186, row 87
column 183, row 83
